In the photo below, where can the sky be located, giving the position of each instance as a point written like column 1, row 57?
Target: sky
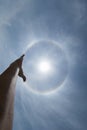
column 49, row 28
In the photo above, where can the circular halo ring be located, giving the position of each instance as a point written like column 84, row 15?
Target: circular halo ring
column 47, row 92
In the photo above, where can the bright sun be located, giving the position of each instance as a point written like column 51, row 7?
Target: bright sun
column 44, row 66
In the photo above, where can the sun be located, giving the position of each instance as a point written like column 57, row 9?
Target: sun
column 44, row 66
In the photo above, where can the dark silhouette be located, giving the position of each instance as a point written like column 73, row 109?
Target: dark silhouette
column 7, row 91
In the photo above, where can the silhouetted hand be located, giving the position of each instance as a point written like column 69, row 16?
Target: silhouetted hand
column 24, row 78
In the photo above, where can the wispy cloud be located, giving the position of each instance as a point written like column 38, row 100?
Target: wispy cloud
column 9, row 10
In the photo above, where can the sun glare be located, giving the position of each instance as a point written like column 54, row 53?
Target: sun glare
column 44, row 66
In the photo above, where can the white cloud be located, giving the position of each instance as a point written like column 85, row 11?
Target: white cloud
column 9, row 10
column 79, row 11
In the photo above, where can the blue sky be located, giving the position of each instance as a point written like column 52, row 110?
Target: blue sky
column 62, row 21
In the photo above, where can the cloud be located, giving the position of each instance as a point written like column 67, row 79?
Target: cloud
column 9, row 10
